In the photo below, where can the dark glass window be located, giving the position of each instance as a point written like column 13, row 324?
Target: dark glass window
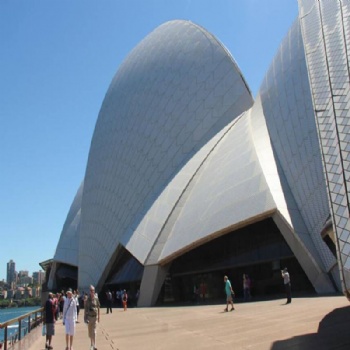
column 258, row 250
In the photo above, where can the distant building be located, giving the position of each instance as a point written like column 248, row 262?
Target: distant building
column 19, row 293
column 24, row 281
column 38, row 277
column 23, row 273
column 27, row 292
column 10, row 294
column 23, row 278
column 11, row 272
column 36, row 292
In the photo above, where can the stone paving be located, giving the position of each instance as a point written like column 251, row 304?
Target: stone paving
column 307, row 323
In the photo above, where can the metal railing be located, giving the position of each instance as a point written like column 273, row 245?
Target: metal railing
column 25, row 323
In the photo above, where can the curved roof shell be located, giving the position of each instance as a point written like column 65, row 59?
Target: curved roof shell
column 172, row 95
column 68, row 246
column 180, row 155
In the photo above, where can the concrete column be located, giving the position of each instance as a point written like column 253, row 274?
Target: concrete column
column 151, row 284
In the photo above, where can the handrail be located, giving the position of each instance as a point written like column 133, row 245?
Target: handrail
column 32, row 323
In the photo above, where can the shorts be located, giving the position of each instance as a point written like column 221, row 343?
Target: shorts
column 92, row 326
column 229, row 298
column 50, row 329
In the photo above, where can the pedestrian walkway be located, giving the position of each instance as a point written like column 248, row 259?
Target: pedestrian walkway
column 320, row 323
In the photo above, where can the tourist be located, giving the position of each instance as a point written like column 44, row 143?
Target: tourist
column 61, row 303
column 246, row 287
column 49, row 320
column 55, row 298
column 92, row 315
column 287, row 284
column 137, row 296
column 69, row 318
column 195, row 294
column 203, row 290
column 109, row 301
column 76, row 296
column 125, row 300
column 117, row 297
column 229, row 292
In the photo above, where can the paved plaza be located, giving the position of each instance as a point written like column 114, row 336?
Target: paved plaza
column 306, row 323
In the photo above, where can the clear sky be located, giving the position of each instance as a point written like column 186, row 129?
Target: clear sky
column 57, row 60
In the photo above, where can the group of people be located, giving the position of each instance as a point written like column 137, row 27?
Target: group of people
column 199, row 293
column 247, row 285
column 69, row 311
column 69, row 316
column 121, row 297
column 58, row 300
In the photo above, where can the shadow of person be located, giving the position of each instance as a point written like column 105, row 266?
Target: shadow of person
column 333, row 333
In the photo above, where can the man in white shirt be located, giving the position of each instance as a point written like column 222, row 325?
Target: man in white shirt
column 287, row 284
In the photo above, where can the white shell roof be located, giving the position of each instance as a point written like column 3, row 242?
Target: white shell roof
column 175, row 92
column 180, row 155
column 67, row 247
column 228, row 190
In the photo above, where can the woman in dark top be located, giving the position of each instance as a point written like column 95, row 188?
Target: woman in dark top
column 49, row 320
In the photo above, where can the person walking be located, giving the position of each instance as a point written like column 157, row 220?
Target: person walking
column 55, row 298
column 109, row 301
column 203, row 290
column 49, row 320
column 229, row 292
column 125, row 300
column 61, row 303
column 195, row 294
column 92, row 315
column 246, row 287
column 287, row 284
column 69, row 318
column 76, row 296
column 117, row 298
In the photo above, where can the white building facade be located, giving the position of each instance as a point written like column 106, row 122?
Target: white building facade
column 188, row 178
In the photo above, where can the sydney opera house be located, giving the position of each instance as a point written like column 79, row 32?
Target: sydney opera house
column 189, row 178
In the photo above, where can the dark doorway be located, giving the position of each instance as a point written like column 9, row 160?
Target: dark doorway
column 258, row 250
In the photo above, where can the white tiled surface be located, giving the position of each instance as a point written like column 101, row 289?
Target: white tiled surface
column 173, row 93
column 292, row 129
column 326, row 34
column 173, row 152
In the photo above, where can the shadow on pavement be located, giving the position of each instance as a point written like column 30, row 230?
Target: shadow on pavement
column 333, row 333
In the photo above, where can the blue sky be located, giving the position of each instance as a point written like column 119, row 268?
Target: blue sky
column 57, row 60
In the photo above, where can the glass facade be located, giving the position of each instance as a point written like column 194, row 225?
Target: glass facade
column 258, row 250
